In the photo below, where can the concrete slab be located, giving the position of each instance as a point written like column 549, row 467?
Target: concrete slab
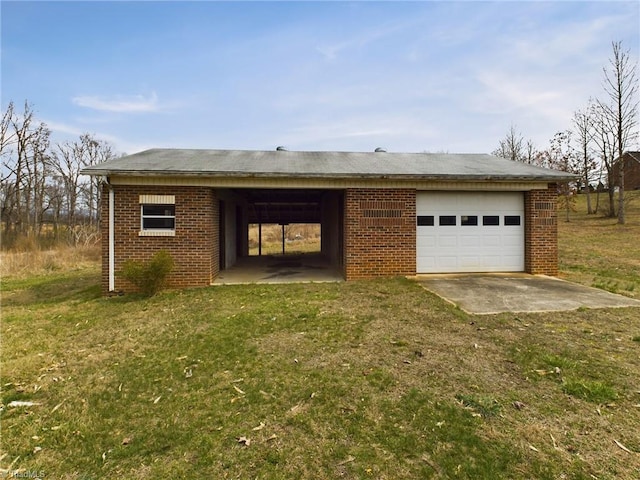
column 497, row 293
column 280, row 269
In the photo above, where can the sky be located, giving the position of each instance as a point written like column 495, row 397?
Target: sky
column 420, row 76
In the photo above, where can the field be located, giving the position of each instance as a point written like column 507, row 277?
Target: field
column 299, row 238
column 369, row 379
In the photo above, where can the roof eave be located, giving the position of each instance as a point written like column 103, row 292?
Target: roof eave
column 345, row 176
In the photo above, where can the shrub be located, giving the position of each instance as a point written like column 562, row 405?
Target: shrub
column 150, row 276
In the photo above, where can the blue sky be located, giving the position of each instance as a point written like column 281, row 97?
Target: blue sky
column 351, row 76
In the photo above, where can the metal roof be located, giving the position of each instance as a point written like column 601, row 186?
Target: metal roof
column 251, row 163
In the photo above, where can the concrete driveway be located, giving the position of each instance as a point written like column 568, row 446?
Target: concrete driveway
column 516, row 292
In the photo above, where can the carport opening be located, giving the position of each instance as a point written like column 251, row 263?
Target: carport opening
column 284, row 228
column 284, row 239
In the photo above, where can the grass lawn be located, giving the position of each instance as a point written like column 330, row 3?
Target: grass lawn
column 369, row 379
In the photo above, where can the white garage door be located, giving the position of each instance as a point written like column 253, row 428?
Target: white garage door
column 470, row 232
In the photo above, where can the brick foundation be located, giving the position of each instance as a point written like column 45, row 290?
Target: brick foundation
column 541, row 231
column 379, row 233
column 194, row 247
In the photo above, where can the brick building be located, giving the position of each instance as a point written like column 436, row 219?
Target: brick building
column 380, row 214
column 631, row 171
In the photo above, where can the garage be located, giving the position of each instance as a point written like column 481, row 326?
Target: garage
column 470, row 232
column 381, row 214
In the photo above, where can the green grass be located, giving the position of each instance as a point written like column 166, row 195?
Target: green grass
column 591, row 391
column 369, row 379
column 596, row 251
column 364, row 379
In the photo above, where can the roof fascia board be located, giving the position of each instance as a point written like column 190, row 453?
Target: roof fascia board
column 330, row 183
column 331, row 177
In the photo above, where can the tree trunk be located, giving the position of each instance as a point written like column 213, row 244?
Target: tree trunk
column 589, row 208
column 612, row 202
column 621, row 219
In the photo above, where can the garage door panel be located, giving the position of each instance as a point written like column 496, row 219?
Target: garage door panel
column 447, row 262
column 447, row 241
column 512, row 241
column 470, row 232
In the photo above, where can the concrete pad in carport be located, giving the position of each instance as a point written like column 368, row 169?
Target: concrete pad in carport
column 514, row 292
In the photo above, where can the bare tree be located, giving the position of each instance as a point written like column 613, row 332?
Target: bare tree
column 583, row 124
column 24, row 160
column 605, row 146
column 514, row 147
column 621, row 88
column 38, row 184
column 67, row 161
column 530, row 153
column 511, row 146
column 97, row 151
column 561, row 156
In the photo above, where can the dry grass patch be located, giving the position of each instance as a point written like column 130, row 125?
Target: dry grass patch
column 25, row 264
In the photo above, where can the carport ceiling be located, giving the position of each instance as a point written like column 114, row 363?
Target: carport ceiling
column 283, row 206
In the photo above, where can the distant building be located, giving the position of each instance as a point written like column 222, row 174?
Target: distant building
column 631, row 171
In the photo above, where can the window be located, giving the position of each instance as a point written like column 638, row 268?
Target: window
column 512, row 220
column 425, row 221
column 157, row 215
column 447, row 220
column 469, row 220
column 490, row 220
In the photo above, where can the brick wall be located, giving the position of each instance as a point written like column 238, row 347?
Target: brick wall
column 631, row 172
column 194, row 247
column 541, row 231
column 379, row 233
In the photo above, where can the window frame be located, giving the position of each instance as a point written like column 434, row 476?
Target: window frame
column 157, row 201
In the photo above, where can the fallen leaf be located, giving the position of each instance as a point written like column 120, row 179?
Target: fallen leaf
column 622, row 446
column 57, row 407
column 157, row 399
column 295, row 408
column 349, row 459
column 518, row 405
column 531, row 447
column 238, row 390
column 259, row 427
column 126, row 441
column 272, row 437
column 18, row 403
column 244, row 441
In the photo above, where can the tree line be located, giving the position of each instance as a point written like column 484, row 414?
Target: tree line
column 42, row 194
column 600, row 133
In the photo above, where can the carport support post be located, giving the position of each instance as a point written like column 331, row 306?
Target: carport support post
column 259, row 239
column 282, row 238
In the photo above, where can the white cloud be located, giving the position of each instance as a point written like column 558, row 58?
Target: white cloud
column 119, row 103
